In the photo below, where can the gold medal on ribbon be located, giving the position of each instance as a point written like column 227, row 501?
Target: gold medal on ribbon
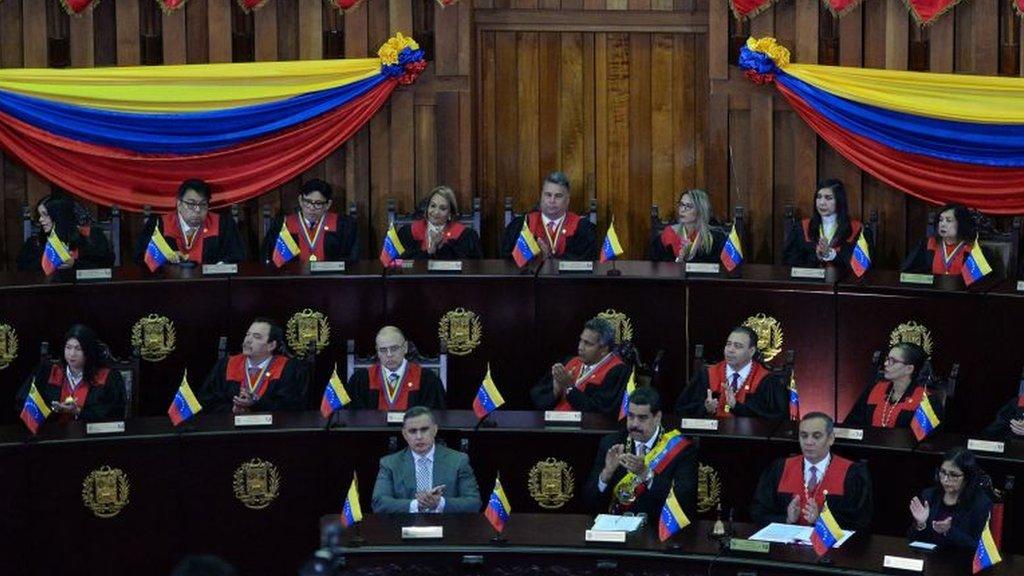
column 312, row 257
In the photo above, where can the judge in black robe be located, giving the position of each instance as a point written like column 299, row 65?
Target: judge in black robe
column 320, row 234
column 89, row 248
column 946, row 251
column 437, row 234
column 561, row 234
column 905, row 368
column 1001, row 428
column 394, row 383
column 826, row 238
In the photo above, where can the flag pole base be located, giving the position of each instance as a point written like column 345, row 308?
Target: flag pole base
column 615, row 272
column 499, row 540
column 825, row 560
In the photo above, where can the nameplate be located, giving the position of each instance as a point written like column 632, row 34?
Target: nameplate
column 556, row 417
column 444, row 266
column 104, row 427
column 909, row 278
column 807, row 273
column 254, row 420
column 923, row 545
column 986, row 446
column 396, row 417
column 1020, row 285
column 901, row 563
column 93, row 274
column 699, row 423
column 214, row 269
column 849, row 433
column 326, row 267
column 422, row 531
column 702, row 268
column 571, row 267
column 605, row 536
column 744, row 545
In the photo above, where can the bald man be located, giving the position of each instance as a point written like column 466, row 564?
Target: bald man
column 393, row 383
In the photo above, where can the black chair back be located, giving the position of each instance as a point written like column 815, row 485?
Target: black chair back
column 438, row 364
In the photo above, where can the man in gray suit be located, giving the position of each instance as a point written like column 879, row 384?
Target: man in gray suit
column 425, row 477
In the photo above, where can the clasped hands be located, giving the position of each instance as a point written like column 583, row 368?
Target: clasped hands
column 427, row 500
column 68, row 406
column 242, row 403
column 809, row 512
column 711, row 403
column 920, row 510
column 561, row 380
column 617, row 456
column 824, row 251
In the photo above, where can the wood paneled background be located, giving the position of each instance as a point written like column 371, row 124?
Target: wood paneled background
column 634, row 99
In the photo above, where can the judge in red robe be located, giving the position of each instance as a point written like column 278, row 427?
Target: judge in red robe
column 559, row 233
column 944, row 253
column 592, row 381
column 439, row 235
column 393, row 383
column 794, row 490
column 88, row 248
column 736, row 386
column 321, row 235
column 827, row 238
column 692, row 238
column 892, row 401
column 260, row 379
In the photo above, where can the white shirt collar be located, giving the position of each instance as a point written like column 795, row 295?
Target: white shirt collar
column 829, row 224
column 548, row 221
column 73, row 380
column 249, row 365
column 401, row 371
column 743, row 372
column 185, row 228
column 650, row 441
column 820, row 466
column 429, row 456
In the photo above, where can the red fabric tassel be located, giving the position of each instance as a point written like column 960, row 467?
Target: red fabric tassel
column 926, row 11
column 169, row 6
column 749, row 8
column 73, row 7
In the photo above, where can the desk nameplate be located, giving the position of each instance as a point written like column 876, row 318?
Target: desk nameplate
column 105, row 427
column 254, row 420
column 94, row 274
column 219, row 269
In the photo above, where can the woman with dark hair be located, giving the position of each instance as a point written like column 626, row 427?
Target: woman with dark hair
column 438, row 234
column 952, row 513
column 691, row 238
column 944, row 253
column 57, row 213
column 81, row 385
column 892, row 401
column 828, row 236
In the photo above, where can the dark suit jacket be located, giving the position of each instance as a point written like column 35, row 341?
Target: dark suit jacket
column 680, row 474
column 395, row 487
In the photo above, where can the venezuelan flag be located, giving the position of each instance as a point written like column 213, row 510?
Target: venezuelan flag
column 526, row 247
column 611, row 249
column 925, row 420
column 351, row 511
column 335, row 395
column 674, row 443
column 392, row 249
column 732, row 252
column 285, row 248
column 987, row 554
column 54, row 254
column 860, row 260
column 826, row 532
column 794, row 400
column 488, row 399
column 185, row 405
column 630, row 387
column 498, row 509
column 976, row 266
column 672, row 518
column 35, row 411
column 158, row 251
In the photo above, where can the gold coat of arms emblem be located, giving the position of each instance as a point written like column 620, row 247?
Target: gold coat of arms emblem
column 914, row 333
column 154, row 337
column 105, row 491
column 460, row 330
column 709, row 488
column 769, row 335
column 623, row 325
column 551, row 483
column 257, row 483
column 8, row 345
column 305, row 328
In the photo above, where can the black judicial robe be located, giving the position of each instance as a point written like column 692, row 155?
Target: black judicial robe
column 218, row 239
column 419, row 387
column 281, row 388
column 680, row 475
column 848, row 485
column 91, row 250
column 336, row 241
column 577, row 239
column 460, row 242
column 801, row 251
column 762, row 395
column 1000, row 427
column 871, row 407
column 968, row 520
column 666, row 247
column 99, row 400
column 600, row 391
column 927, row 258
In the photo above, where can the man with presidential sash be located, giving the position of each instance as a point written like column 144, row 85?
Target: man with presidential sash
column 260, row 379
column 592, row 381
column 321, row 235
column 559, row 232
column 393, row 383
column 635, row 469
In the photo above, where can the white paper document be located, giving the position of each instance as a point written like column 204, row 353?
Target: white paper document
column 613, row 522
column 792, row 534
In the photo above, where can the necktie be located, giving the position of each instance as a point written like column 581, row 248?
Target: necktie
column 393, row 381
column 735, row 382
column 423, row 475
column 812, row 482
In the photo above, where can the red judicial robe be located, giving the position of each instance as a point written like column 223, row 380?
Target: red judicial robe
column 872, row 408
column 762, row 394
column 575, row 240
column 101, row 399
column 847, row 483
column 459, row 242
column 599, row 391
column 280, row 386
column 418, row 387
column 801, row 250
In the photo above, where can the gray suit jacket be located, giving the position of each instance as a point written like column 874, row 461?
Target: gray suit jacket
column 396, row 482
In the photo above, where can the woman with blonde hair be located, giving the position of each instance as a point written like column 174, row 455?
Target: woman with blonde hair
column 692, row 238
column 438, row 234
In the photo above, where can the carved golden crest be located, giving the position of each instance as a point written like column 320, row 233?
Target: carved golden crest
column 623, row 325
column 105, row 491
column 307, row 327
column 709, row 488
column 912, row 332
column 551, row 483
column 257, row 483
column 8, row 345
column 460, row 330
column 154, row 336
column 769, row 335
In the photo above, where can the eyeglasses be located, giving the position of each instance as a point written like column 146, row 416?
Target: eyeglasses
column 686, row 206
column 314, row 203
column 891, row 360
column 943, row 473
column 194, row 206
column 389, row 350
